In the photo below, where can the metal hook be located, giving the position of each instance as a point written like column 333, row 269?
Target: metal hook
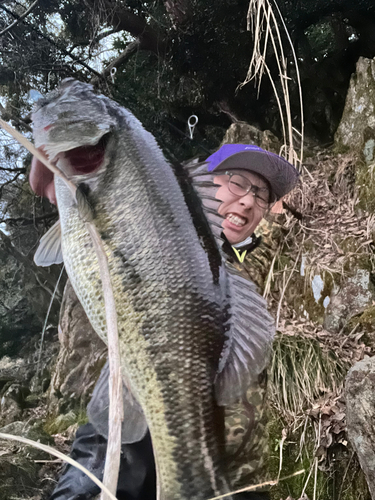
column 192, row 122
column 112, row 74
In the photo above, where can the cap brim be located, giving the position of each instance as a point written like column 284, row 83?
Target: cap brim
column 280, row 174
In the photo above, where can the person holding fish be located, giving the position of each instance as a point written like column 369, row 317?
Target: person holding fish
column 246, row 181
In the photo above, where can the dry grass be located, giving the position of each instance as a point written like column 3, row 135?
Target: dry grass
column 332, row 225
column 332, row 238
column 267, row 26
column 309, row 365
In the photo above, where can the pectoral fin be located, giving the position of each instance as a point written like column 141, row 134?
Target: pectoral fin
column 134, row 425
column 49, row 249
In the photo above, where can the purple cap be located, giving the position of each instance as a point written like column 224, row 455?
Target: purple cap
column 280, row 174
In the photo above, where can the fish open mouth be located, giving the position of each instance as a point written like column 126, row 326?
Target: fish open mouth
column 87, row 159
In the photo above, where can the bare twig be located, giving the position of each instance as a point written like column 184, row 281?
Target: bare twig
column 44, row 278
column 39, row 154
column 9, row 181
column 261, row 485
column 22, row 16
column 45, row 321
column 284, row 435
column 24, row 221
column 285, row 287
column 112, row 463
column 17, row 121
column 20, row 170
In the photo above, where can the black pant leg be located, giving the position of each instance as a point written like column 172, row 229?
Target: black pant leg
column 136, row 475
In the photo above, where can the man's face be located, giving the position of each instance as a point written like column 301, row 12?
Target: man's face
column 241, row 214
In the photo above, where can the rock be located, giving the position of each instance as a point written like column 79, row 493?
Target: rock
column 243, row 133
column 16, row 428
column 356, row 132
column 357, row 125
column 350, row 299
column 12, row 369
column 81, row 357
column 12, row 403
column 360, row 401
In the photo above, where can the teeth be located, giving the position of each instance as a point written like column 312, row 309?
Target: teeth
column 235, row 219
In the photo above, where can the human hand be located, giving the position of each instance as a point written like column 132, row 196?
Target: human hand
column 41, row 180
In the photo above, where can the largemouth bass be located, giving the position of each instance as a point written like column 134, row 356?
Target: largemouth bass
column 193, row 333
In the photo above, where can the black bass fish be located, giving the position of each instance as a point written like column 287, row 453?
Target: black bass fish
column 193, row 333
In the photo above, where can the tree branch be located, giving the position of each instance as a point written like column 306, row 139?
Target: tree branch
column 25, row 221
column 10, row 181
column 97, row 39
column 20, row 170
column 131, row 49
column 46, row 280
column 125, row 20
column 17, row 121
column 52, row 42
column 22, row 16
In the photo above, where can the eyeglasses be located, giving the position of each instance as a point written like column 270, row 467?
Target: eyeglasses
column 240, row 186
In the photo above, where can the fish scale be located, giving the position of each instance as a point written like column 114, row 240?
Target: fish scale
column 178, row 318
column 179, row 402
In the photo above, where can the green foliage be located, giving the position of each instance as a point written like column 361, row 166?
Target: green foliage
column 321, row 36
column 60, row 423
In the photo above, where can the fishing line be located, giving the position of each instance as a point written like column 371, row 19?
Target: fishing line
column 186, row 136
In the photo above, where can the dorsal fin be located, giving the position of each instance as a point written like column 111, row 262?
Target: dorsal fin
column 205, row 188
column 250, row 328
column 49, row 249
